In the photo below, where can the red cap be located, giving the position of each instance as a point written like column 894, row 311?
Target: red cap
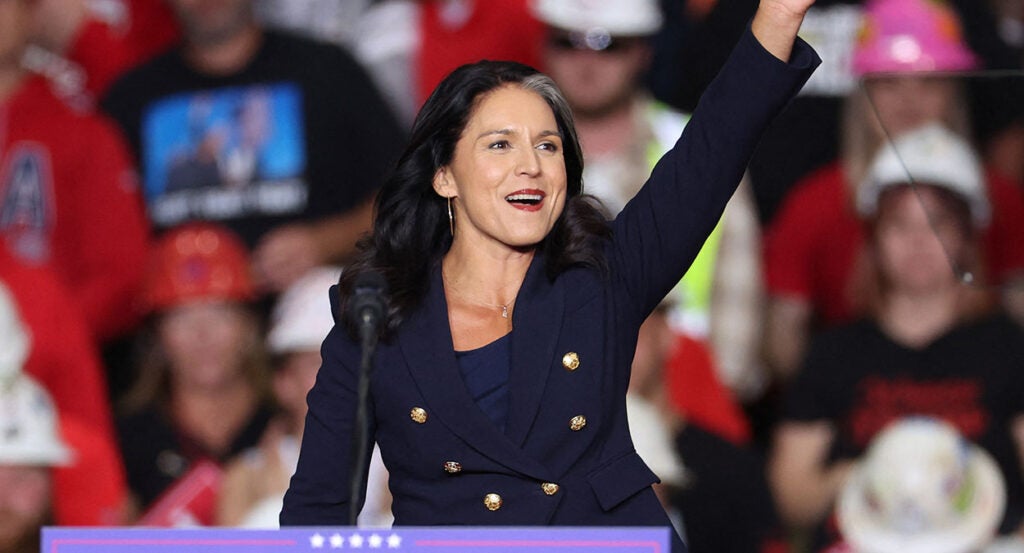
column 196, row 261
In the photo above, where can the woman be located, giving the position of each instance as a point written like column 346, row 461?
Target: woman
column 525, row 283
column 931, row 345
column 201, row 396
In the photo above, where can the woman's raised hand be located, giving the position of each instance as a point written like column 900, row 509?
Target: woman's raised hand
column 776, row 24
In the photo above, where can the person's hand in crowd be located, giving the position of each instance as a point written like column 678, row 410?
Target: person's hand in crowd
column 285, row 254
column 56, row 23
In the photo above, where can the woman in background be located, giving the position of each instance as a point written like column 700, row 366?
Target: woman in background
column 930, row 345
column 201, row 393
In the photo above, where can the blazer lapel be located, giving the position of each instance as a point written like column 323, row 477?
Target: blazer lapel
column 426, row 343
column 536, row 320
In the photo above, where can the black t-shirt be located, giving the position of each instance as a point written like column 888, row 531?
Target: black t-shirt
column 725, row 502
column 859, row 379
column 297, row 134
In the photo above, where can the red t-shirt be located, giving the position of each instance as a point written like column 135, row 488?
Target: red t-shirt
column 491, row 30
column 812, row 246
column 69, row 199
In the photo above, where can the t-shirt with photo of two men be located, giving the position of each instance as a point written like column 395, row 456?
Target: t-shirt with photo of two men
column 297, row 134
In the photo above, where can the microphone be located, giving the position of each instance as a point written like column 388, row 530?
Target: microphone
column 367, row 305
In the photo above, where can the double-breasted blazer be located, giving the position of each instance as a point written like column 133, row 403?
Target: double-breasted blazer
column 565, row 457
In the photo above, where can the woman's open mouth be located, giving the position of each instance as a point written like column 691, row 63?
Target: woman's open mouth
column 526, row 200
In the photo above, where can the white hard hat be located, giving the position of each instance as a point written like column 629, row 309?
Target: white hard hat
column 302, row 317
column 14, row 338
column 28, row 425
column 922, row 489
column 614, row 17
column 931, row 155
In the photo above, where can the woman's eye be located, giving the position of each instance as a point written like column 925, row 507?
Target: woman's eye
column 499, row 145
column 549, row 146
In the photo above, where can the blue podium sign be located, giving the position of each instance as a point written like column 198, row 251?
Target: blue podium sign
column 463, row 539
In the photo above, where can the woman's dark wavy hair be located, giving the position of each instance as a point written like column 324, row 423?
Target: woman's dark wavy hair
column 411, row 228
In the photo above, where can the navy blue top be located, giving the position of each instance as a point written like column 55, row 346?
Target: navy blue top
column 485, row 372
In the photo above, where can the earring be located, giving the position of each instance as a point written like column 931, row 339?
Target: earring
column 451, row 218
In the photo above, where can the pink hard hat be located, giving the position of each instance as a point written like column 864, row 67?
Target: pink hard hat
column 910, row 35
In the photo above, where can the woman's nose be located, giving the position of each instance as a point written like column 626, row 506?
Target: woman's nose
column 528, row 163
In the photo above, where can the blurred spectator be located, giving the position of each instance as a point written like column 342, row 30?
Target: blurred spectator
column 999, row 107
column 597, row 53
column 68, row 196
column 254, row 485
column 282, row 139
column 91, row 490
column 930, row 345
column 410, row 45
column 811, row 248
column 714, row 490
column 201, row 390
column 30, row 446
column 87, row 44
column 921, row 487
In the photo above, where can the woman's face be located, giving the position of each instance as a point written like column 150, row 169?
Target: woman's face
column 205, row 342
column 507, row 176
column 907, row 102
column 916, row 238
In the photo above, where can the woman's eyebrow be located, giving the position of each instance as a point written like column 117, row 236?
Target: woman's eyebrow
column 502, row 132
column 506, row 132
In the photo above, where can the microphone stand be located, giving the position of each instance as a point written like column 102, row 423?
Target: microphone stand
column 360, row 435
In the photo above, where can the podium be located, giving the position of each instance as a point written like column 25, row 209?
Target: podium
column 447, row 539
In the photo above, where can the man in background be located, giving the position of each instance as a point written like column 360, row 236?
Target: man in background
column 282, row 139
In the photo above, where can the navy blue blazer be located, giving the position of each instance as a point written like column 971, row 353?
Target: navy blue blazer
column 566, row 457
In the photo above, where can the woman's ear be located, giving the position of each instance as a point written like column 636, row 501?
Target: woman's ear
column 444, row 185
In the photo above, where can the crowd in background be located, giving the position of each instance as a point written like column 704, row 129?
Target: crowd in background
column 182, row 180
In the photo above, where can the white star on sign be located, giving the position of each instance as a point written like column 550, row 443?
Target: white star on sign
column 316, row 540
column 376, row 541
column 394, row 540
column 355, row 540
column 337, row 542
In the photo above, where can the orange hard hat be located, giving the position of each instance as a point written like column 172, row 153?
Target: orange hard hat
column 196, row 261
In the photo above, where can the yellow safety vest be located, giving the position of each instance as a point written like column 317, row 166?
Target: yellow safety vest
column 694, row 290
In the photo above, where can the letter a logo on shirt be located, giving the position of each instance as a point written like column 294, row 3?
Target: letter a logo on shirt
column 26, row 202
